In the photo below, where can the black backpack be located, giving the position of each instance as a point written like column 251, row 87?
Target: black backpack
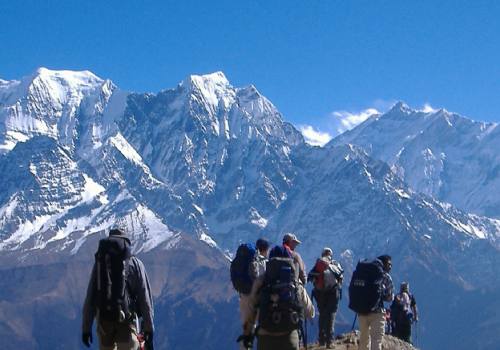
column 365, row 289
column 240, row 268
column 112, row 265
column 280, row 309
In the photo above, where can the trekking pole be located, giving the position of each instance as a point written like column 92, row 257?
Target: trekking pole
column 354, row 322
column 305, row 335
column 416, row 334
column 140, row 335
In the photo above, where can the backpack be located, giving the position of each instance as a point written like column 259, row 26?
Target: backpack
column 365, row 289
column 240, row 268
column 112, row 265
column 399, row 313
column 326, row 275
column 280, row 310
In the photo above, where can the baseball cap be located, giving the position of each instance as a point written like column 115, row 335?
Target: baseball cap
column 290, row 237
column 327, row 251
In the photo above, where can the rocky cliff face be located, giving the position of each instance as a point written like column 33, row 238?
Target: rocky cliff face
column 212, row 165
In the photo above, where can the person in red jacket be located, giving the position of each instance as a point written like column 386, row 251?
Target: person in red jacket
column 327, row 276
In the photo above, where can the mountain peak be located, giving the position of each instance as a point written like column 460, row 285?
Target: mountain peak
column 66, row 77
column 249, row 92
column 45, row 84
column 59, row 86
column 207, row 81
column 212, row 88
column 401, row 107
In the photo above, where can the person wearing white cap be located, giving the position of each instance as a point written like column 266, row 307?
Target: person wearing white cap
column 290, row 242
column 327, row 276
column 403, row 313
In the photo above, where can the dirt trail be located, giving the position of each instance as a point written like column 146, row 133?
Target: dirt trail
column 349, row 341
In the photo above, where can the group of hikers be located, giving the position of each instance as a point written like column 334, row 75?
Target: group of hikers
column 275, row 306
column 274, row 303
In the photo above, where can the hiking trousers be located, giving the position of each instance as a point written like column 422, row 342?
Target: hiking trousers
column 371, row 328
column 245, row 310
column 278, row 342
column 117, row 336
column 403, row 331
column 327, row 302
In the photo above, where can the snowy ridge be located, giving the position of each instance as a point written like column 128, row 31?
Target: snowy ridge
column 439, row 153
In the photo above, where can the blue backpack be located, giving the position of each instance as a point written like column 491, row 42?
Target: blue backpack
column 280, row 310
column 240, row 268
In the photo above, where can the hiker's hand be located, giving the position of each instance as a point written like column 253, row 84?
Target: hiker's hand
column 247, row 341
column 87, row 339
column 148, row 340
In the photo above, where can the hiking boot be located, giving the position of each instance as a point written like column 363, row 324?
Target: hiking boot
column 329, row 345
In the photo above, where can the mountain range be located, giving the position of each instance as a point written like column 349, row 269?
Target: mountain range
column 438, row 153
column 192, row 171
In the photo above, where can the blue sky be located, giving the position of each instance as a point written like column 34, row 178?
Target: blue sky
column 311, row 58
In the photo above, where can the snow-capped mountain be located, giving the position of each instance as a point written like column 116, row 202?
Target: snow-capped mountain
column 211, row 162
column 49, row 103
column 69, row 170
column 441, row 154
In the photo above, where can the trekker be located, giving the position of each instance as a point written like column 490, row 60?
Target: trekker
column 290, row 242
column 118, row 295
column 281, row 303
column 258, row 267
column 327, row 276
column 247, row 266
column 404, row 312
column 370, row 287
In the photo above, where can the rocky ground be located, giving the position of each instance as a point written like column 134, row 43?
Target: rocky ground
column 350, row 341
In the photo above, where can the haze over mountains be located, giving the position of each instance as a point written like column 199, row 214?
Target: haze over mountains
column 192, row 171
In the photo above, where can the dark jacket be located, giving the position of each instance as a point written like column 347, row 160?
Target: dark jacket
column 139, row 289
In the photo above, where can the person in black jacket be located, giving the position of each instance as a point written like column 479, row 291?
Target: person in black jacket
column 121, row 334
column 372, row 324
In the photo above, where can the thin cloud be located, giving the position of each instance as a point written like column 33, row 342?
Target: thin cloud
column 336, row 123
column 427, row 108
column 345, row 120
column 314, row 137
